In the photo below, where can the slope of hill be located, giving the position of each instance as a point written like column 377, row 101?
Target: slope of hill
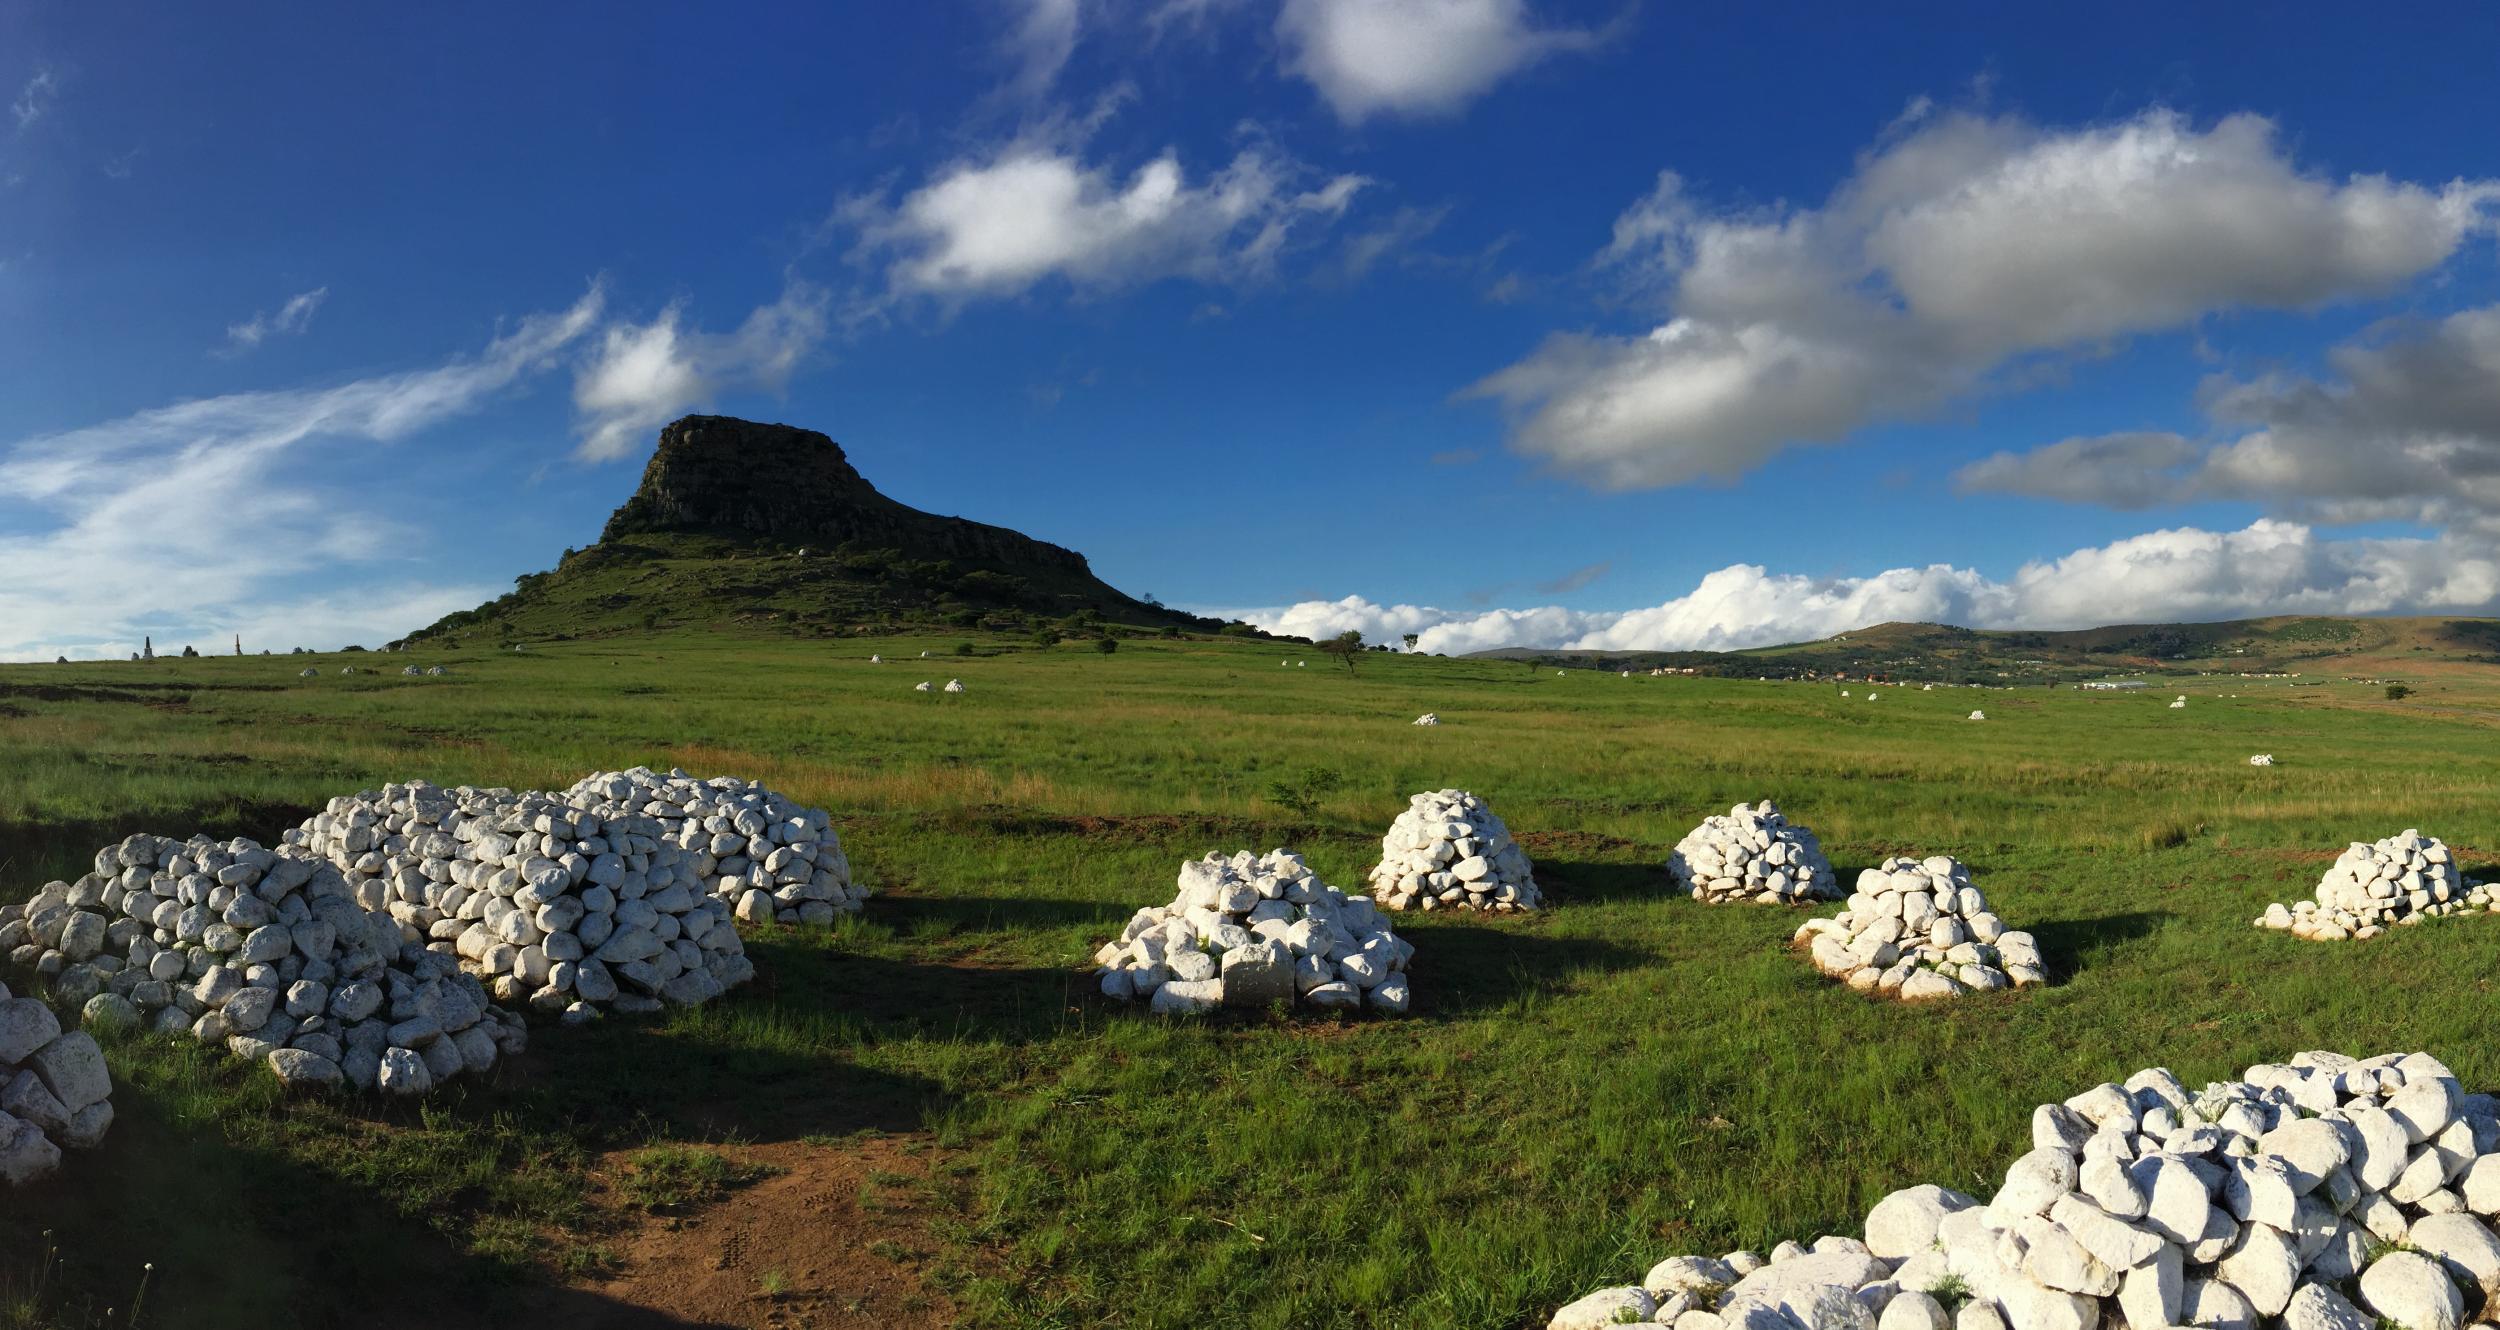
column 737, row 522
column 2310, row 644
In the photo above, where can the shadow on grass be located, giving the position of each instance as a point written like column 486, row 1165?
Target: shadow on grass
column 1572, row 881
column 923, row 916
column 1461, row 968
column 2065, row 943
column 246, row 1236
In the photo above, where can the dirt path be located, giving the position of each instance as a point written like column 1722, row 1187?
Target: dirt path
column 838, row 1236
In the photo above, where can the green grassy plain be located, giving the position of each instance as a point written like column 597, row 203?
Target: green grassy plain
column 1625, row 1076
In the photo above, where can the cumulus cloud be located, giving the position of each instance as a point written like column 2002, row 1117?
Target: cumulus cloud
column 2269, row 567
column 999, row 224
column 1414, row 58
column 1960, row 245
column 640, row 376
column 193, row 521
column 290, row 318
column 2406, row 427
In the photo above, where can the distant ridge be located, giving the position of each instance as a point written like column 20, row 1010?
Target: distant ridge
column 1943, row 652
column 741, row 522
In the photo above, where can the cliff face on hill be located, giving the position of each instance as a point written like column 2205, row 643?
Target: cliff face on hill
column 717, row 475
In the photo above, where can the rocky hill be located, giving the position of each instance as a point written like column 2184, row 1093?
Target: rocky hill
column 738, row 522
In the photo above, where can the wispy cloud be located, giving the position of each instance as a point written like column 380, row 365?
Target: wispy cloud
column 292, row 317
column 118, row 166
column 34, row 101
column 199, row 519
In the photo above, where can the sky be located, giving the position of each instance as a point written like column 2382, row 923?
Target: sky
column 1611, row 324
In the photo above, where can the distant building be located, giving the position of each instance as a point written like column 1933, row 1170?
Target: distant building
column 2114, row 685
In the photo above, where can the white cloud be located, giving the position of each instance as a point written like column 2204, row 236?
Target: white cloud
column 1414, row 58
column 1960, row 245
column 35, row 99
column 1041, row 43
column 2269, row 567
column 292, row 317
column 998, row 225
column 193, row 521
column 2407, row 428
column 642, row 376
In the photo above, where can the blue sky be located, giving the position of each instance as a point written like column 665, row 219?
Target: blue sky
column 1614, row 324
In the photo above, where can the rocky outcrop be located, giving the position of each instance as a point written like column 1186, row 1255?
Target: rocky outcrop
column 724, row 476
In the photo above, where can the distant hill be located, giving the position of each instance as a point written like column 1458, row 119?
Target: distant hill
column 1928, row 652
column 737, row 522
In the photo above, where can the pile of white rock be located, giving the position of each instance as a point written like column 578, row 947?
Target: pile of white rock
column 1752, row 853
column 1448, row 851
column 1979, row 715
column 771, row 859
column 1917, row 929
column 55, row 1093
column 548, row 903
column 2327, row 1194
column 2403, row 879
column 2262, row 760
column 1428, row 718
column 1250, row 930
column 265, row 952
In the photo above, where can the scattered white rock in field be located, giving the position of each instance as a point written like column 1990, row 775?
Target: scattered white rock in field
column 307, row 672
column 347, row 669
column 922, row 686
column 1449, row 851
column 1428, row 718
column 1752, row 853
column 2331, row 1193
column 1917, row 929
column 408, row 669
column 548, row 903
column 55, row 1094
column 436, row 670
column 876, row 660
column 2403, row 879
column 2180, row 705
column 1250, row 930
column 2262, row 760
column 1927, row 688
column 770, row 858
column 1979, row 715
column 954, row 685
column 1872, row 695
column 1844, row 692
column 266, row 952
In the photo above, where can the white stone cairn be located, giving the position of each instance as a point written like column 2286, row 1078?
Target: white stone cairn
column 1428, row 718
column 2404, row 879
column 265, row 952
column 2330, row 1193
column 771, row 859
column 1251, row 930
column 547, row 902
column 1752, row 853
column 55, row 1093
column 1449, row 851
column 1917, row 929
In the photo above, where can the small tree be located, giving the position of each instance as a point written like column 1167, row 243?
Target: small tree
column 1045, row 637
column 1411, row 639
column 1343, row 646
column 1106, row 645
column 2397, row 692
column 963, row 648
